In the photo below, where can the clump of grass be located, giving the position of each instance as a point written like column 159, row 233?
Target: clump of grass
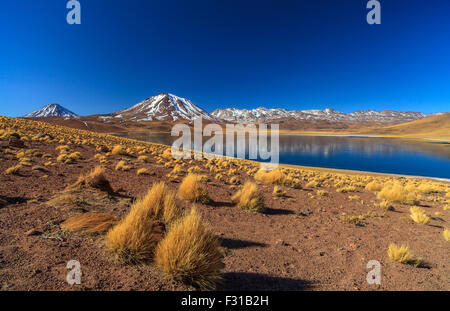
column 398, row 194
column 122, row 166
column 374, row 186
column 419, row 215
column 134, row 239
column 75, row 156
column 249, row 198
column 190, row 253
column 118, row 150
column 161, row 203
column 144, row 171
column 446, row 234
column 13, row 170
column 354, row 198
column 234, row 181
column 273, row 177
column 312, row 184
column 142, row 158
column 426, row 188
column 95, row 179
column 92, row 223
column 346, row 189
column 385, row 205
column 354, row 220
column 63, row 149
column 400, row 254
column 278, row 192
column 193, row 189
column 322, row 193
column 178, row 171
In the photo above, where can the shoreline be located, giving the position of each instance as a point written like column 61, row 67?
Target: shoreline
column 322, row 134
column 356, row 172
column 334, row 170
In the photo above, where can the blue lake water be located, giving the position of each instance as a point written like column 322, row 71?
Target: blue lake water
column 384, row 155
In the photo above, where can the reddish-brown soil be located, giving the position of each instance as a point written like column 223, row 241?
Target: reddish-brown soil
column 299, row 243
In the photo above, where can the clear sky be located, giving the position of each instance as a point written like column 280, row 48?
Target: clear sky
column 302, row 54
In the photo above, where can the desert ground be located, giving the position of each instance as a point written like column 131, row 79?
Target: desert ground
column 289, row 229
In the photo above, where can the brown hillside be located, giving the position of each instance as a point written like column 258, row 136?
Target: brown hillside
column 437, row 127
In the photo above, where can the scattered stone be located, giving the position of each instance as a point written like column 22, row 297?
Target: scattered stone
column 33, row 232
column 321, row 254
column 102, row 148
column 305, row 212
column 281, row 242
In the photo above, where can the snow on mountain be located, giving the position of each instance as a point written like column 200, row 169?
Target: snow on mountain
column 163, row 107
column 51, row 110
column 265, row 115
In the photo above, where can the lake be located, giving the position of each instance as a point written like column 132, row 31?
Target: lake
column 372, row 154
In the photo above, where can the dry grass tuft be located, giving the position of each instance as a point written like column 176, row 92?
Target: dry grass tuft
column 134, row 239
column 143, row 158
column 400, row 254
column 118, row 150
column 374, row 186
column 446, row 234
column 92, row 223
column 278, row 192
column 13, row 170
column 95, row 179
column 322, row 193
column 419, row 215
column 190, row 253
column 122, row 166
column 273, row 177
column 193, row 189
column 398, row 194
column 75, row 156
column 250, row 198
column 143, row 171
column 385, row 206
column 161, row 204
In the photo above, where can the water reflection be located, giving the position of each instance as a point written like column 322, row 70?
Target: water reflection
column 385, row 155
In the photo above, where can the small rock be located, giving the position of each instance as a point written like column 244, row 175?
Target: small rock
column 305, row 212
column 33, row 232
column 102, row 148
column 282, row 243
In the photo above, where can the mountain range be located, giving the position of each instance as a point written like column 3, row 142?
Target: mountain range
column 169, row 107
column 51, row 110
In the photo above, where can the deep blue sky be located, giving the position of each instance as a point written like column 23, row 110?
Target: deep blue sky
column 292, row 54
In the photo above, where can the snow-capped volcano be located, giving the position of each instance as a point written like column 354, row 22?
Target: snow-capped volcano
column 163, row 107
column 265, row 115
column 51, row 110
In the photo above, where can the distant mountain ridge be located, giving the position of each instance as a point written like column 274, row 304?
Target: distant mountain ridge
column 163, row 107
column 51, row 110
column 171, row 108
column 265, row 115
